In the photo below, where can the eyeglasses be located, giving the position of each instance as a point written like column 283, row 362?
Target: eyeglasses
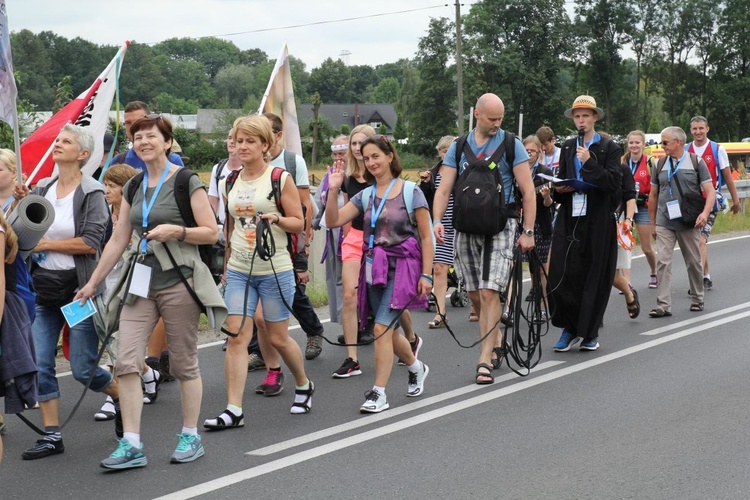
column 379, row 138
column 532, row 151
column 666, row 143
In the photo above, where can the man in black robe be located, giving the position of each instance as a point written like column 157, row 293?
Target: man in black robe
column 584, row 242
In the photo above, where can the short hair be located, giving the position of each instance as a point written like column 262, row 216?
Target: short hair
column 351, row 161
column 162, row 124
column 83, row 137
column 384, row 145
column 639, row 133
column 277, row 124
column 534, row 139
column 119, row 174
column 676, row 132
column 699, row 118
column 135, row 106
column 545, row 134
column 257, row 126
column 445, row 142
column 8, row 158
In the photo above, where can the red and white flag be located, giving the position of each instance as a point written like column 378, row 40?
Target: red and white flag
column 90, row 109
column 8, row 91
column 279, row 100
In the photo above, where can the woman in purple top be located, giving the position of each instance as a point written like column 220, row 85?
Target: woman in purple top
column 396, row 252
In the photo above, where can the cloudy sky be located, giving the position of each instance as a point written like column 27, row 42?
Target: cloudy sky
column 378, row 32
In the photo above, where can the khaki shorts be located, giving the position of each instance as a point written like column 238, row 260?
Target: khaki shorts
column 470, row 252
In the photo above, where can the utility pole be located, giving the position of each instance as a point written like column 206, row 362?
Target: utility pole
column 459, row 71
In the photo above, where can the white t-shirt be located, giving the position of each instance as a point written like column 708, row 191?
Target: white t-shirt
column 213, row 189
column 722, row 161
column 301, row 179
column 552, row 162
column 63, row 228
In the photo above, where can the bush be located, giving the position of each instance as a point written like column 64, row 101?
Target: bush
column 202, row 154
column 411, row 161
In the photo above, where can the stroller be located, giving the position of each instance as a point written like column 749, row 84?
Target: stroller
column 459, row 297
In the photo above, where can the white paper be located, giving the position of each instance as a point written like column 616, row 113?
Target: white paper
column 141, row 280
column 673, row 209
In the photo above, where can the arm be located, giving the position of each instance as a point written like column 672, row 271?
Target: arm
column 708, row 188
column 292, row 222
column 206, row 231
column 653, row 200
column 522, row 173
column 334, row 216
column 629, row 213
column 304, row 198
column 727, row 174
column 428, row 253
column 442, row 196
column 213, row 191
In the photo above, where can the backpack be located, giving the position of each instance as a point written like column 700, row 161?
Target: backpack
column 210, row 255
column 219, row 168
column 478, row 195
column 25, row 286
column 408, row 191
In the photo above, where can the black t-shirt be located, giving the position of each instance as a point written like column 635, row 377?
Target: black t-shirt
column 543, row 214
column 351, row 187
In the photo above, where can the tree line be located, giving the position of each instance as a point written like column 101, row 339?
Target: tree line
column 648, row 66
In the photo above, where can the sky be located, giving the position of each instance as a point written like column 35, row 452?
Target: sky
column 371, row 39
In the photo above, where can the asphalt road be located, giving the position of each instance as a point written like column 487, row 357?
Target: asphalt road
column 659, row 411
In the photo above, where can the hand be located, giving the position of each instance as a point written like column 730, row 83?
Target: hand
column 304, row 277
column 164, row 232
column 526, row 242
column 735, row 207
column 424, row 176
column 271, row 218
column 84, row 293
column 583, row 154
column 20, row 191
column 424, row 287
column 336, row 177
column 701, row 220
column 629, row 224
column 564, row 189
column 544, row 191
column 439, row 231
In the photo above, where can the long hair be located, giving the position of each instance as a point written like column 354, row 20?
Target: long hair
column 640, row 134
column 11, row 240
column 351, row 164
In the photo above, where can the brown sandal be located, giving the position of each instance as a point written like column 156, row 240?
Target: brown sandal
column 486, row 376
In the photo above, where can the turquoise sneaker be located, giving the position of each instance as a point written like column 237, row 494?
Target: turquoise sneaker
column 188, row 449
column 126, row 456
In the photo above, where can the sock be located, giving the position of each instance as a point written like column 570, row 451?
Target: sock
column 133, row 438
column 379, row 389
column 153, row 376
column 52, row 433
column 707, row 276
column 190, row 431
column 304, row 386
column 234, row 410
column 415, row 367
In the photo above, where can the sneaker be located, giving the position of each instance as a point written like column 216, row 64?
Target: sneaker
column 567, row 340
column 416, row 346
column 272, row 385
column 164, row 367
column 314, row 347
column 707, row 284
column 349, row 368
column 44, row 448
column 416, row 381
column 590, row 345
column 188, row 449
column 653, row 282
column 255, row 362
column 126, row 456
column 366, row 336
column 374, row 402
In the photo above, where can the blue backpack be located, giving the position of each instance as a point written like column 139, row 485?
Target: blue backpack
column 25, row 286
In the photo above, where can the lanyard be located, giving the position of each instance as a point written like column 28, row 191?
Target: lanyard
column 672, row 171
column 146, row 207
column 634, row 165
column 376, row 211
column 7, row 203
column 579, row 165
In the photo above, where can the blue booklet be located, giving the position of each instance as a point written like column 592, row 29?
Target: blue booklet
column 75, row 312
column 574, row 183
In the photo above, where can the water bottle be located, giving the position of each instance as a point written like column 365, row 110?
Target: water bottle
column 637, row 189
column 39, row 257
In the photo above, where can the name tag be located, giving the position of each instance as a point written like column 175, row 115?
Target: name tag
column 368, row 270
column 673, row 209
column 579, row 204
column 141, row 280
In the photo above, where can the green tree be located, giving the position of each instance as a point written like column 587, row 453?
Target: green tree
column 167, row 103
column 63, row 94
column 333, row 81
column 365, row 79
column 213, row 53
column 731, row 84
column 405, row 104
column 33, row 64
column 386, row 91
column 235, row 82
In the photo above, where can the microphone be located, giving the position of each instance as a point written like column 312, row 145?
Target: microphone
column 581, row 133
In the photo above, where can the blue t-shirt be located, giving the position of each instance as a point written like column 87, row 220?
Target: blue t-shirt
column 135, row 161
column 486, row 151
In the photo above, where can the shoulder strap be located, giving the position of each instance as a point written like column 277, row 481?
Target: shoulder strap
column 408, row 190
column 660, row 164
column 366, row 195
column 510, row 148
column 460, row 142
column 182, row 195
column 694, row 159
column 276, row 186
column 719, row 175
column 290, row 163
column 133, row 187
column 219, row 168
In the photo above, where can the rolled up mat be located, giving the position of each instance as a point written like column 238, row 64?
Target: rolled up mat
column 30, row 220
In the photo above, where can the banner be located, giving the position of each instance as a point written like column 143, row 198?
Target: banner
column 90, row 109
column 8, row 90
column 279, row 99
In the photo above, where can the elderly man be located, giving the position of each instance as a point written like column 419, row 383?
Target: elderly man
column 484, row 261
column 678, row 174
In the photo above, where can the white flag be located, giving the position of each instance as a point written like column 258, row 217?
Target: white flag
column 8, row 90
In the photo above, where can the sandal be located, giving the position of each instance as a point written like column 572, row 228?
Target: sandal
column 150, row 397
column 634, row 307
column 500, row 352
column 107, row 412
column 436, row 323
column 696, row 306
column 658, row 313
column 488, row 375
column 219, row 424
column 506, row 319
column 304, row 406
column 473, row 317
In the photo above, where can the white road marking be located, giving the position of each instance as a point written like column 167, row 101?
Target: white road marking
column 409, row 423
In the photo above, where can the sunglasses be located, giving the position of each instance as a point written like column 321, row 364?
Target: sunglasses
column 154, row 116
column 666, row 143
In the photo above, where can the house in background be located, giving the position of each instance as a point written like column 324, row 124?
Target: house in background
column 352, row 115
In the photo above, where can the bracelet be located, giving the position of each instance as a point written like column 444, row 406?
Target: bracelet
column 427, row 278
column 630, row 219
column 435, row 223
column 184, row 234
column 277, row 219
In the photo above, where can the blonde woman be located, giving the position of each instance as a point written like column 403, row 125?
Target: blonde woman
column 8, row 170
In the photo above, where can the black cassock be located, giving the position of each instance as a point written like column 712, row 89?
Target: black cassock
column 584, row 249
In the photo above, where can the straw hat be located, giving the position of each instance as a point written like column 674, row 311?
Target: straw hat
column 584, row 102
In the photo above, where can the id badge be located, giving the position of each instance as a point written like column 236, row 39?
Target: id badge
column 673, row 209
column 579, row 204
column 368, row 269
column 141, row 280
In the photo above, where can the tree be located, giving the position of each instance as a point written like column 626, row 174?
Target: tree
column 167, row 103
column 731, row 82
column 386, row 91
column 235, row 82
column 365, row 79
column 333, row 81
column 316, row 102
column 63, row 94
column 213, row 53
column 405, row 104
column 34, row 67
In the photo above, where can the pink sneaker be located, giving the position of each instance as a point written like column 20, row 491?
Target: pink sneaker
column 272, row 385
column 653, row 283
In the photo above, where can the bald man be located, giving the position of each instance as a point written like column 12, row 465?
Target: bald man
column 484, row 139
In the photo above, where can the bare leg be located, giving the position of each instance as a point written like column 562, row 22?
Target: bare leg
column 235, row 361
column 441, row 286
column 350, row 280
column 278, row 334
column 191, row 393
column 131, row 401
column 489, row 317
column 644, row 235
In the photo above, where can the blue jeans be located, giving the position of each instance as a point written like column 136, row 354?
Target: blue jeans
column 262, row 288
column 84, row 345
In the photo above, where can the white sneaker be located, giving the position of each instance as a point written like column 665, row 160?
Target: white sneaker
column 375, row 402
column 416, row 381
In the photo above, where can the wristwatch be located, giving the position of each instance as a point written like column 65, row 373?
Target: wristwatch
column 528, row 232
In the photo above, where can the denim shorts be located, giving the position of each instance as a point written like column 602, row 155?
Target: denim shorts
column 380, row 303
column 263, row 287
column 642, row 216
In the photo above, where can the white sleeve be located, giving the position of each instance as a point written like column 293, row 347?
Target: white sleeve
column 213, row 188
column 723, row 159
column 302, row 179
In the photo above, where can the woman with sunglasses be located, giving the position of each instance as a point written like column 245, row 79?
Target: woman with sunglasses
column 398, row 260
column 152, row 234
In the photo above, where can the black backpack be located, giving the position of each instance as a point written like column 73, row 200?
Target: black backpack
column 207, row 252
column 478, row 195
